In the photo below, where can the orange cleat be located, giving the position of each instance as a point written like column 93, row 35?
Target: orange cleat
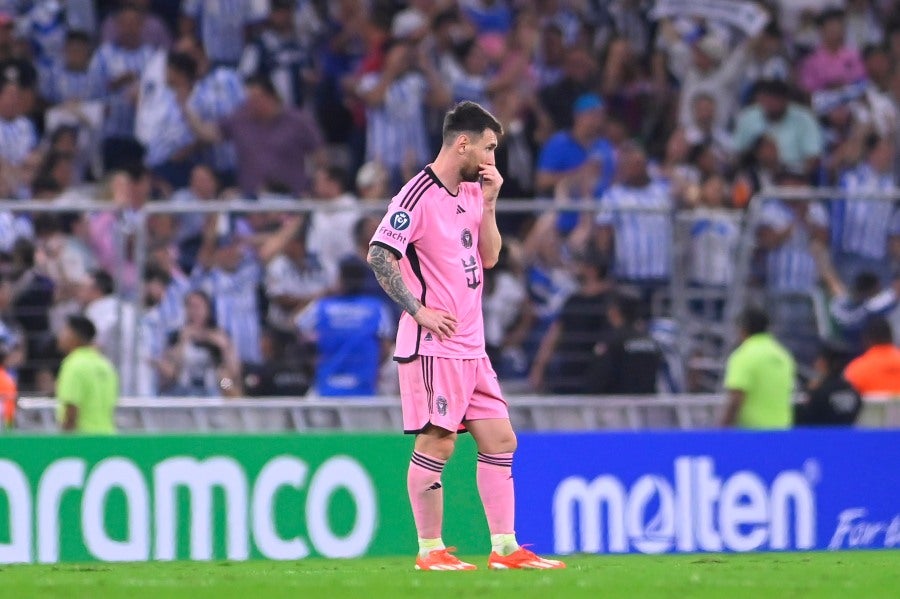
column 441, row 559
column 522, row 559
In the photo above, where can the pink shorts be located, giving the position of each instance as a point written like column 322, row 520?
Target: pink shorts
column 446, row 392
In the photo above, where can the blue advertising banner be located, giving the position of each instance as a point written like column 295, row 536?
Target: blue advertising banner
column 709, row 491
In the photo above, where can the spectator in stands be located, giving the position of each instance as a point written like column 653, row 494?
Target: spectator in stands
column 626, row 358
column 171, row 144
column 293, row 279
column 202, row 187
column 829, row 400
column 707, row 67
column 274, row 143
column 286, row 369
column 33, row 295
column 759, row 378
column 791, row 125
column 789, row 232
column 330, row 234
column 18, row 140
column 714, row 236
column 860, row 224
column 768, row 60
column 567, row 348
column 230, row 273
column 116, row 67
column 279, row 54
column 12, row 335
column 834, row 62
column 507, row 313
column 88, row 387
column 201, row 360
column 154, row 331
column 218, row 92
column 130, row 190
column 579, row 76
column 396, row 98
column 705, row 129
column 114, row 321
column 877, row 371
column 70, row 79
column 851, row 309
column 372, row 182
column 352, row 332
column 154, row 32
column 634, row 224
column 581, row 158
column 222, row 26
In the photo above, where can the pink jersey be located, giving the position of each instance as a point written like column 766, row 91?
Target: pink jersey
column 437, row 234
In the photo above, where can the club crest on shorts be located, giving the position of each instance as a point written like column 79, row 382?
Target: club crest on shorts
column 400, row 220
column 466, row 238
column 442, row 405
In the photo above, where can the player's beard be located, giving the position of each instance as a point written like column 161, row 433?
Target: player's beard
column 469, row 173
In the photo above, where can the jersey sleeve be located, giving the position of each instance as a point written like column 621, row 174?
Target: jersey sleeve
column 400, row 227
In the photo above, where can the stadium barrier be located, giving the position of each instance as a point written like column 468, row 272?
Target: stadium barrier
column 141, row 498
column 528, row 412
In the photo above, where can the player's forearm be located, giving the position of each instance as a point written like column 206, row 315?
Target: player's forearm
column 387, row 272
column 489, row 240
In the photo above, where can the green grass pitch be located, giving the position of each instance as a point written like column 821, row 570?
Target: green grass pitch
column 869, row 575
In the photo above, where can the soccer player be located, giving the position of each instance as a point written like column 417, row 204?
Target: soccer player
column 429, row 253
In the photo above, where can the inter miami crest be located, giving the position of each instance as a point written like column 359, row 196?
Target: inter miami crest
column 466, row 239
column 442, row 405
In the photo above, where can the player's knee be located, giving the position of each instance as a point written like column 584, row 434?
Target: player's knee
column 436, row 444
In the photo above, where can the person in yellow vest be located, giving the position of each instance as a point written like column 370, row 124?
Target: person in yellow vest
column 759, row 378
column 87, row 389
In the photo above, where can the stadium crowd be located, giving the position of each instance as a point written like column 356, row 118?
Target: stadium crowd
column 640, row 110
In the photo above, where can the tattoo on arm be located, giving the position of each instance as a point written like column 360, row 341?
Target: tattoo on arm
column 387, row 271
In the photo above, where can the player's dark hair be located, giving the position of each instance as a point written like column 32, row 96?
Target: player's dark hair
column 469, row 117
column 877, row 332
column 183, row 63
column 754, row 321
column 103, row 281
column 82, row 326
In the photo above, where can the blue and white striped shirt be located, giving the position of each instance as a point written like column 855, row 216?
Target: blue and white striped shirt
column 44, row 25
column 397, row 126
column 17, row 139
column 641, row 218
column 171, row 306
column 110, row 62
column 221, row 26
column 215, row 97
column 860, row 226
column 236, row 305
column 172, row 134
column 714, row 240
column 59, row 84
column 790, row 268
